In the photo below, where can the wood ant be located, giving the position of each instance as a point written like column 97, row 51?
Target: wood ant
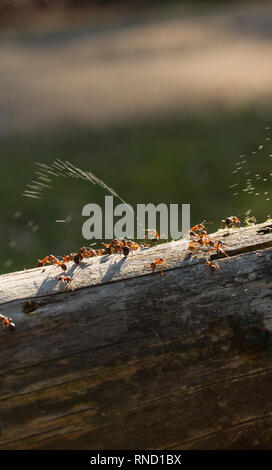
column 7, row 322
column 218, row 247
column 115, row 246
column 101, row 252
column 67, row 258
column 121, row 246
column 84, row 253
column 231, row 222
column 192, row 246
column 213, row 266
column 51, row 259
column 125, row 250
column 66, row 279
column 47, row 260
column 199, row 237
column 198, row 228
column 157, row 262
column 61, row 264
column 77, row 258
column 152, row 236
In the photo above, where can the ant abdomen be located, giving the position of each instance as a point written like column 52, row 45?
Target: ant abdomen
column 125, row 251
column 77, row 258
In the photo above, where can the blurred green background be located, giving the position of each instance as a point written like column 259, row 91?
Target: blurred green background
column 159, row 101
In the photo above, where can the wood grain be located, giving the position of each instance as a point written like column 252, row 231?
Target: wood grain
column 134, row 359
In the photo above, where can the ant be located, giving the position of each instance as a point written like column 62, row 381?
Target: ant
column 83, row 253
column 133, row 245
column 213, row 266
column 231, row 222
column 121, row 246
column 7, row 322
column 77, row 258
column 115, row 246
column 198, row 228
column 67, row 258
column 157, row 262
column 66, row 279
column 202, row 240
column 126, row 251
column 51, row 259
column 152, row 236
column 101, row 252
column 61, row 264
column 192, row 246
column 218, row 247
column 211, row 243
column 199, row 237
column 47, row 260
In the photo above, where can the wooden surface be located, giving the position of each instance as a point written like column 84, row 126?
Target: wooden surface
column 131, row 359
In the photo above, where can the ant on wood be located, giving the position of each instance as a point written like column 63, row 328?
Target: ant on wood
column 47, row 260
column 51, row 259
column 231, row 222
column 121, row 246
column 152, row 236
column 126, row 250
column 7, row 322
column 192, row 246
column 66, row 279
column 83, row 253
column 213, row 266
column 218, row 248
column 157, row 262
column 199, row 237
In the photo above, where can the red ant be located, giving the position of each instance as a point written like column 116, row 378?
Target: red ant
column 115, row 246
column 198, row 228
column 121, row 246
column 157, row 262
column 66, row 279
column 218, row 247
column 61, row 264
column 47, row 260
column 192, row 246
column 152, row 236
column 7, row 322
column 201, row 238
column 211, row 243
column 101, row 252
column 125, row 249
column 213, row 266
column 67, row 258
column 83, row 253
column 133, row 245
column 51, row 259
column 231, row 222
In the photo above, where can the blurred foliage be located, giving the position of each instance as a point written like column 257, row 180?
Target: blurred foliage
column 171, row 160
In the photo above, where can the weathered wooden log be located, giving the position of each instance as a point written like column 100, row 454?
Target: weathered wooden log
column 128, row 358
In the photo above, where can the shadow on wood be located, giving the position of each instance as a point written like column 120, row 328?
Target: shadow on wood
column 131, row 359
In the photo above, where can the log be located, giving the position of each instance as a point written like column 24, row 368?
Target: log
column 128, row 358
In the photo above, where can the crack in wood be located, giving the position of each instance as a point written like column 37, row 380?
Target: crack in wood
column 129, row 358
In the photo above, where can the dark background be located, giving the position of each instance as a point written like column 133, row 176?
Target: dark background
column 159, row 99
